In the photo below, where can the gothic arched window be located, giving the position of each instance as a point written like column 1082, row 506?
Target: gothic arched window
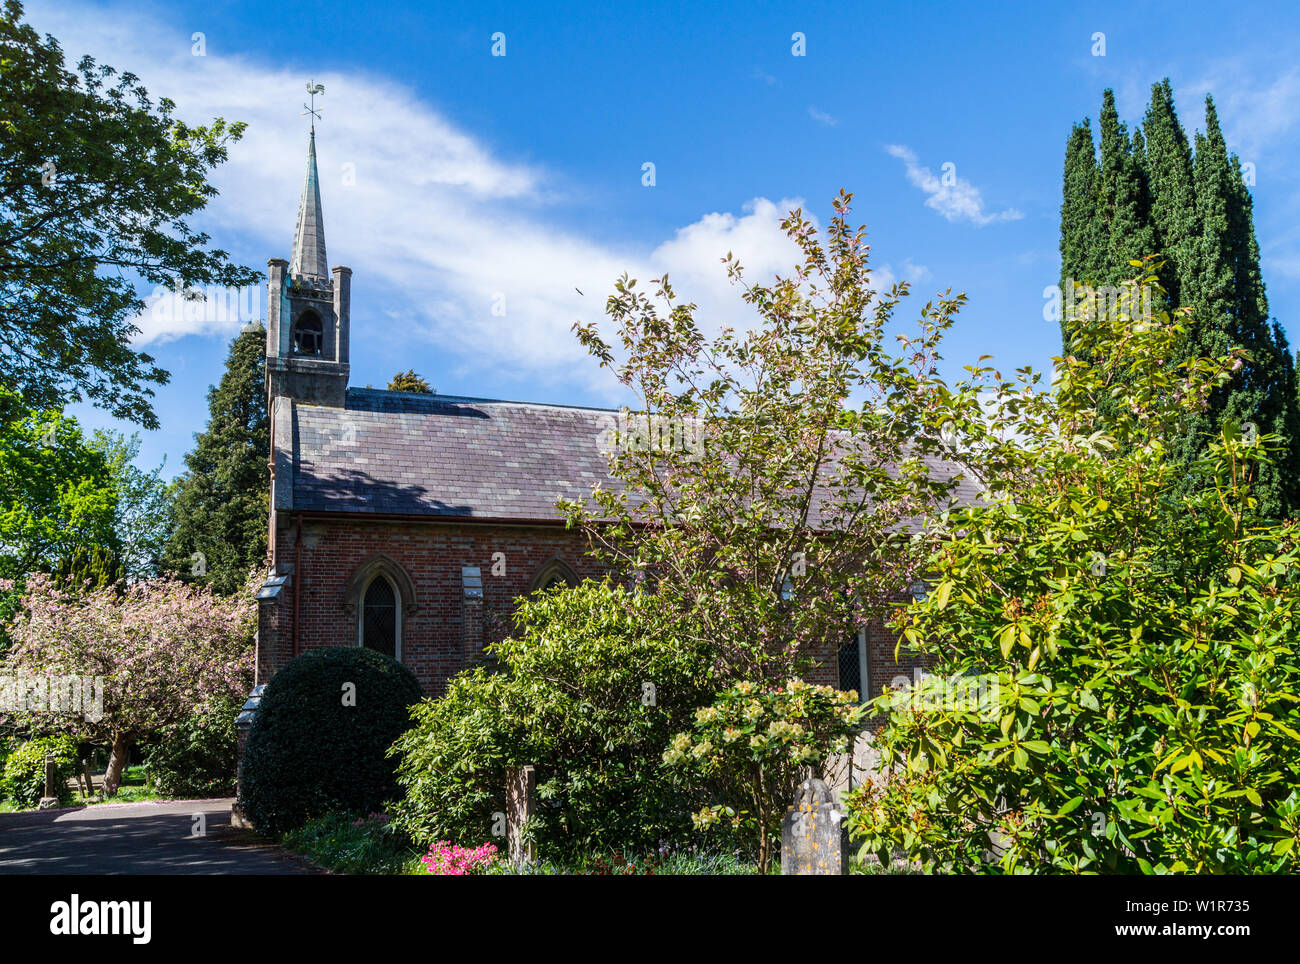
column 554, row 573
column 308, row 334
column 381, row 598
column 379, row 617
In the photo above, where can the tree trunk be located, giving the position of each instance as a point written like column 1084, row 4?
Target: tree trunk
column 116, row 762
column 760, row 811
column 85, row 775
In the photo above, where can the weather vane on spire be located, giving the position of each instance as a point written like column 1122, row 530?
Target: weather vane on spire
column 313, row 89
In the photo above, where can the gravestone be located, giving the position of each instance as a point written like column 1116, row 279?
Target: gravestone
column 51, row 799
column 814, row 839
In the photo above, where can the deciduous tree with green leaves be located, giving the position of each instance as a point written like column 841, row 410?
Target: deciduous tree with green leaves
column 96, row 183
column 770, row 481
column 57, row 493
column 1116, row 684
column 73, row 506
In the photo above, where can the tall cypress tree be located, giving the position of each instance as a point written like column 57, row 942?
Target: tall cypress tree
column 1155, row 196
column 1082, row 231
column 1124, row 197
column 1173, row 193
column 221, row 502
column 1232, row 311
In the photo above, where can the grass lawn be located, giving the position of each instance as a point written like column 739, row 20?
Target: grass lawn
column 133, row 790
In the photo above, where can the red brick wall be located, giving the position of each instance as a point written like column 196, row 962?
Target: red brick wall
column 883, row 666
column 433, row 640
column 448, row 631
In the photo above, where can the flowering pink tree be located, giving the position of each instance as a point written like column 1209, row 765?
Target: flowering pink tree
column 162, row 649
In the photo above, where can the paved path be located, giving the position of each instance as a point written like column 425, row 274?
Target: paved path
column 137, row 838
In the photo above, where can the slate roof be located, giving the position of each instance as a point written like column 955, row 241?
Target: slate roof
column 438, row 455
column 397, row 453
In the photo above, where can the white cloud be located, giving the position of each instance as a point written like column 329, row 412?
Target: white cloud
column 822, row 117
column 914, row 272
column 952, row 196
column 170, row 315
column 1255, row 112
column 436, row 226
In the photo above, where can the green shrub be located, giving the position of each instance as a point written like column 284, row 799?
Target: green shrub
column 196, row 758
column 572, row 700
column 1117, row 675
column 24, row 771
column 320, row 738
column 753, row 745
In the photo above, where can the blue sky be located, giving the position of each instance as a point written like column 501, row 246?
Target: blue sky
column 451, row 177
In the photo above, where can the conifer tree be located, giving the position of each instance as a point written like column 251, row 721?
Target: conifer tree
column 1081, row 229
column 1173, row 193
column 409, row 381
column 1231, row 309
column 220, row 509
column 1126, row 202
column 1154, row 196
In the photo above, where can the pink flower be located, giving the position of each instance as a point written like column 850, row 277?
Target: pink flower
column 447, row 859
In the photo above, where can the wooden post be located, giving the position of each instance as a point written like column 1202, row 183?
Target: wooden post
column 521, row 786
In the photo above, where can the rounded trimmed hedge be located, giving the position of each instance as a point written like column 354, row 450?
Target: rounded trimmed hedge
column 320, row 737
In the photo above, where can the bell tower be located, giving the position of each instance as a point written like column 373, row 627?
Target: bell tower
column 308, row 309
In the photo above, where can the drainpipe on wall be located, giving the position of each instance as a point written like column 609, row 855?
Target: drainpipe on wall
column 297, row 580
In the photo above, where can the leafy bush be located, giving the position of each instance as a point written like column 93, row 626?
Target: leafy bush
column 321, row 734
column 752, row 745
column 590, row 690
column 24, row 770
column 1133, row 647
column 196, row 758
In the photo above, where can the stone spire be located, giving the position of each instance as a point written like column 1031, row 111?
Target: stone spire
column 309, row 259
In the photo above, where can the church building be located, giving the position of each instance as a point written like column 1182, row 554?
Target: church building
column 411, row 523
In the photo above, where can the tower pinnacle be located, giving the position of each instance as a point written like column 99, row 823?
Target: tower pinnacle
column 309, row 260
